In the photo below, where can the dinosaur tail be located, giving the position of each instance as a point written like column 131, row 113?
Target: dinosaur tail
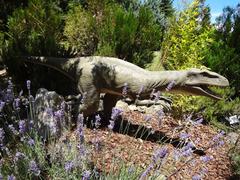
column 58, row 64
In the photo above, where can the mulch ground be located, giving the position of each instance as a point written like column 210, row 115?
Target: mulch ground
column 117, row 148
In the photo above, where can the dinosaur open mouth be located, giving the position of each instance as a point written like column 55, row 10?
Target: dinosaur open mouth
column 205, row 90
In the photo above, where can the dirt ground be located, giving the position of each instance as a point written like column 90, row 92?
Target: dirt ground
column 136, row 148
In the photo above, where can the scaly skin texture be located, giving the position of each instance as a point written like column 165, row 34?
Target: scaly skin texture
column 94, row 75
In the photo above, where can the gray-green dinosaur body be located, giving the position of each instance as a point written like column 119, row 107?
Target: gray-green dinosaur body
column 95, row 75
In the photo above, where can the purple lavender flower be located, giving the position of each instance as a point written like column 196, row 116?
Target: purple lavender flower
column 2, row 136
column 31, row 142
column 218, row 136
column 97, row 121
column 1, row 177
column 187, row 150
column 28, row 84
column 2, row 104
column 115, row 113
column 81, row 149
column 33, row 168
column 125, row 90
column 18, row 156
column 160, row 115
column 86, row 175
column 147, row 117
column 80, row 128
column 68, row 166
column 80, row 119
column 9, row 92
column 59, row 114
column 12, row 129
column 31, row 124
column 131, row 169
column 111, row 125
column 203, row 170
column 83, row 97
column 170, row 85
column 184, row 136
column 205, row 159
column 145, row 173
column 196, row 177
column 2, row 133
column 63, row 106
column 22, row 126
column 16, row 104
column 217, row 140
column 161, row 153
column 176, row 155
column 11, row 177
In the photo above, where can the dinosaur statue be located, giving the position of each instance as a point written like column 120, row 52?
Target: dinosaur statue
column 94, row 75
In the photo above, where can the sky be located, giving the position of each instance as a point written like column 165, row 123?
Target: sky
column 215, row 5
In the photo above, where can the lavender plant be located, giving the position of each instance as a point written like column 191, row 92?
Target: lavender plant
column 25, row 154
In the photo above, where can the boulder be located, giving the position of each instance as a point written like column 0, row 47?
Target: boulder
column 50, row 114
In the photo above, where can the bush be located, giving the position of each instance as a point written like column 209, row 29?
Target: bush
column 36, row 29
column 214, row 112
column 79, row 31
column 129, row 35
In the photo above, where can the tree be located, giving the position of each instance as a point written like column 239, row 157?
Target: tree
column 187, row 40
column 129, row 35
column 224, row 54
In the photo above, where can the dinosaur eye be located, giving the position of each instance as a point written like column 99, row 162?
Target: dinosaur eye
column 206, row 74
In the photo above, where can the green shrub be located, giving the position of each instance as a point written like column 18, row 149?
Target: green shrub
column 36, row 29
column 186, row 45
column 212, row 111
column 79, row 31
column 129, row 35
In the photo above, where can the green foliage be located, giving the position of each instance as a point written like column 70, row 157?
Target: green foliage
column 185, row 46
column 162, row 10
column 187, row 41
column 79, row 31
column 129, row 35
column 1, row 44
column 36, row 29
column 224, row 54
column 224, row 60
column 212, row 111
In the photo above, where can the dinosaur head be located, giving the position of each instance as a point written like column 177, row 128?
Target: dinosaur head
column 197, row 82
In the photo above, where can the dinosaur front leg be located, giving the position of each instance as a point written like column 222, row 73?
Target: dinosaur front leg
column 109, row 101
column 90, row 102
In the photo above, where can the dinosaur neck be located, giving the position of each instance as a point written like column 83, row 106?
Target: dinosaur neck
column 63, row 65
column 159, row 80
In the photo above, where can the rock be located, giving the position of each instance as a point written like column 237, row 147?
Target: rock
column 122, row 105
column 232, row 137
column 50, row 114
column 144, row 109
